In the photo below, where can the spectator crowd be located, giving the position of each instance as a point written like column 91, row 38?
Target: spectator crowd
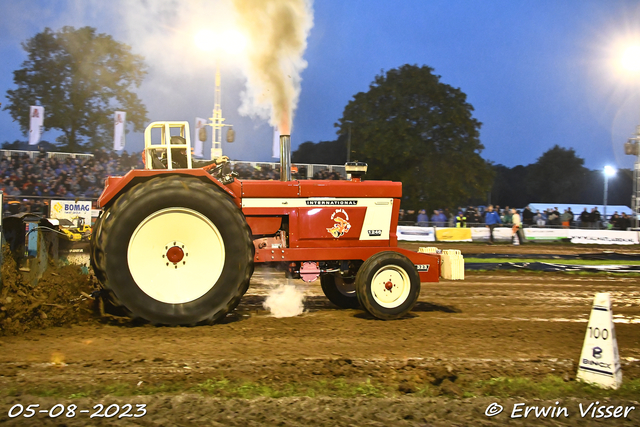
column 472, row 216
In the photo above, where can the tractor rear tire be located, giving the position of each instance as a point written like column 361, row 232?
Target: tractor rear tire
column 175, row 251
column 388, row 285
column 339, row 291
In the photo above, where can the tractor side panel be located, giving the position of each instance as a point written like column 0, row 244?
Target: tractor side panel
column 364, row 189
column 322, row 222
column 270, row 189
column 264, row 225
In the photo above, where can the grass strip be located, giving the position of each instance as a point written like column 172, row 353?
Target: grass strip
column 550, row 387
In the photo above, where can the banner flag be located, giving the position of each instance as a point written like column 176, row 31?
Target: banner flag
column 119, row 132
column 36, row 120
column 201, row 136
column 276, row 143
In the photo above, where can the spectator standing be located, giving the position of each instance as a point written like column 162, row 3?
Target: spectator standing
column 539, row 218
column 565, row 218
column 423, row 219
column 553, row 218
column 451, row 220
column 571, row 220
column 556, row 214
column 527, row 217
column 492, row 219
column 596, row 218
column 585, row 219
column 517, row 233
column 507, row 216
column 615, row 221
column 441, row 219
column 472, row 216
column 625, row 221
column 411, row 216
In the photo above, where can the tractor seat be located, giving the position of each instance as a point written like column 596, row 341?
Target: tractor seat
column 156, row 162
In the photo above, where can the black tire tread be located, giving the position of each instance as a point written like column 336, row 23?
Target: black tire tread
column 97, row 271
column 329, row 287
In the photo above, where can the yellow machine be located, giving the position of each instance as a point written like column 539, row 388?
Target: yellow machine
column 77, row 231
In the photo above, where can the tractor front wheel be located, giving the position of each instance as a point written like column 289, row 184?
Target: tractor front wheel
column 175, row 251
column 388, row 285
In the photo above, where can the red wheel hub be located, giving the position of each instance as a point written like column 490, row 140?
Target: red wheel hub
column 175, row 254
column 388, row 285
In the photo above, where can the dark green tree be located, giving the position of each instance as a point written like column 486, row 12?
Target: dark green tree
column 323, row 152
column 81, row 78
column 558, row 176
column 510, row 186
column 411, row 127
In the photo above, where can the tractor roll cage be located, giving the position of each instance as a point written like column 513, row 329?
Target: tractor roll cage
column 151, row 150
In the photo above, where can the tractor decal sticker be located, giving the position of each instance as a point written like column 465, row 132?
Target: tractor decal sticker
column 342, row 226
column 332, row 202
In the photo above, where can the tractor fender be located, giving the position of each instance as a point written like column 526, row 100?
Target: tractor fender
column 115, row 185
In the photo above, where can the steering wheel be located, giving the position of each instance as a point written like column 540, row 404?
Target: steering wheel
column 218, row 171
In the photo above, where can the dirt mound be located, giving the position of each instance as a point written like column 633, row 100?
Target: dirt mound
column 61, row 297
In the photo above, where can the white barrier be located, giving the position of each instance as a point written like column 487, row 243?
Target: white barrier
column 481, row 234
column 604, row 237
column 546, row 233
column 416, row 234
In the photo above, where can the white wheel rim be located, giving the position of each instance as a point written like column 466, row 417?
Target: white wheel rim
column 201, row 261
column 346, row 289
column 390, row 286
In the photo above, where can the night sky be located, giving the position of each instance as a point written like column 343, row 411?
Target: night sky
column 538, row 73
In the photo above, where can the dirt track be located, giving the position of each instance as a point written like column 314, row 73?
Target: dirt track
column 488, row 326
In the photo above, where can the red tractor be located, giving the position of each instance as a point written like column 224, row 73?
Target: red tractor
column 177, row 245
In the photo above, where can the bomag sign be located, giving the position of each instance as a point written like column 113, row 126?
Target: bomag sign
column 66, row 209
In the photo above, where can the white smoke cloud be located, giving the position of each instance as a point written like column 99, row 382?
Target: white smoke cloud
column 278, row 31
column 284, row 301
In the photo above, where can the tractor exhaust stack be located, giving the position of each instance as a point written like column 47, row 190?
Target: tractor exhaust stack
column 285, row 157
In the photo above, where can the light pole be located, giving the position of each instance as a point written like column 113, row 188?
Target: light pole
column 212, row 42
column 217, row 121
column 608, row 171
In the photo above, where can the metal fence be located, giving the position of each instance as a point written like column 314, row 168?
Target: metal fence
column 50, row 155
